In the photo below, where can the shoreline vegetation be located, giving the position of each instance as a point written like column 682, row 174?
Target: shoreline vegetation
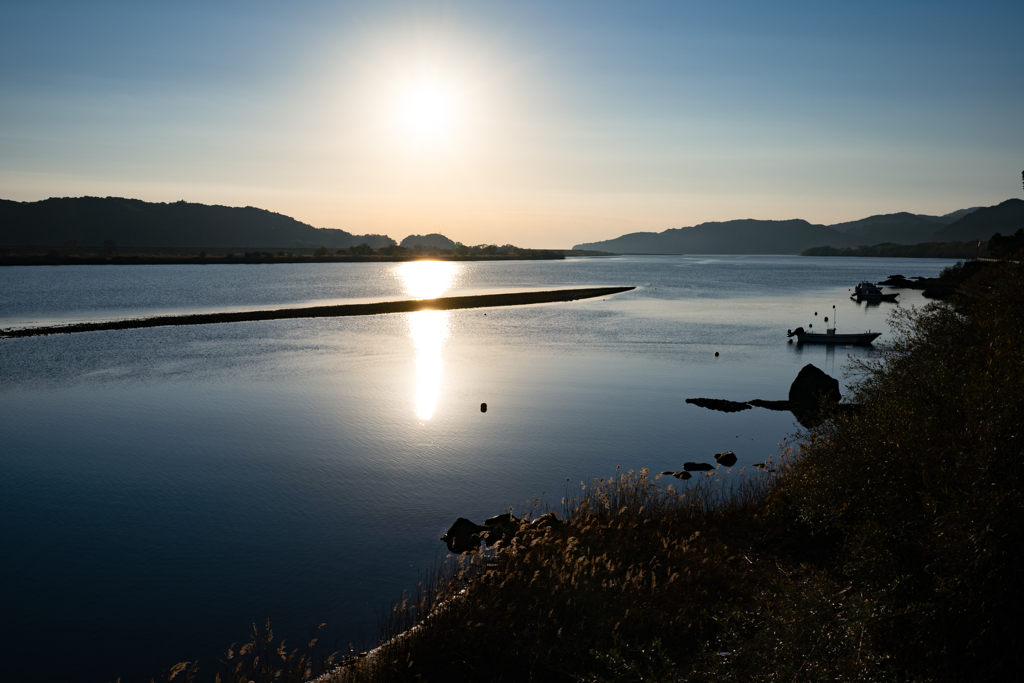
column 343, row 310
column 957, row 250
column 996, row 246
column 882, row 546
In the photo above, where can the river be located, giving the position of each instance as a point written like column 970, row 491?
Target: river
column 164, row 488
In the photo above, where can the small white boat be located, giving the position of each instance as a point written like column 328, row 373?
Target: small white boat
column 833, row 337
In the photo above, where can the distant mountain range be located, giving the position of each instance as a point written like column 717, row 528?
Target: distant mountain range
column 793, row 236
column 1005, row 218
column 91, row 221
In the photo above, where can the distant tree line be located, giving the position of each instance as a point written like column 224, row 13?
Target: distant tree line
column 459, row 250
column 112, row 253
column 958, row 250
column 1000, row 246
column 997, row 246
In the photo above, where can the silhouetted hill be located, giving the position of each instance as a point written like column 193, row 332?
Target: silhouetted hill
column 730, row 237
column 433, row 240
column 951, row 216
column 897, row 228
column 1004, row 218
column 132, row 222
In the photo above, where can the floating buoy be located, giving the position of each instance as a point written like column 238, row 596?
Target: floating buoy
column 483, row 407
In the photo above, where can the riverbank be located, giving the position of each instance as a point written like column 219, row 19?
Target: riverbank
column 409, row 306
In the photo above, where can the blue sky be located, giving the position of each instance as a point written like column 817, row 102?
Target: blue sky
column 557, row 122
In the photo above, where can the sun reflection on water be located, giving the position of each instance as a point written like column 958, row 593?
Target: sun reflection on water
column 428, row 279
column 428, row 329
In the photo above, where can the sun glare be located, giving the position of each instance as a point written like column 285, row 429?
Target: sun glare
column 427, row 279
column 427, row 111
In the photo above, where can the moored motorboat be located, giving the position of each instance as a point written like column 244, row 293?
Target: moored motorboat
column 833, row 337
column 869, row 291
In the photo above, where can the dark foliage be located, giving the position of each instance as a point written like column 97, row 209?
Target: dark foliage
column 922, row 487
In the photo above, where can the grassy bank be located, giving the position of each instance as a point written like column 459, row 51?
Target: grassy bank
column 884, row 548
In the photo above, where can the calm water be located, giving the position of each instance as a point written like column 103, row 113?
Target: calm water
column 162, row 489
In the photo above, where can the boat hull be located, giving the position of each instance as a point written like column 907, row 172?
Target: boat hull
column 861, row 339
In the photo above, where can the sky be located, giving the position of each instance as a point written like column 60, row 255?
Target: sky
column 539, row 124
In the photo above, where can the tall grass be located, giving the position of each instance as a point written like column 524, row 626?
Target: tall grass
column 629, row 562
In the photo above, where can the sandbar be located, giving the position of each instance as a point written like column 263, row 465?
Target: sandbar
column 407, row 306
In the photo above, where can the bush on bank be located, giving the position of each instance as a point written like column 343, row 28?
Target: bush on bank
column 922, row 489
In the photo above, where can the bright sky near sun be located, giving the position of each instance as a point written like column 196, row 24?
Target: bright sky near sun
column 541, row 124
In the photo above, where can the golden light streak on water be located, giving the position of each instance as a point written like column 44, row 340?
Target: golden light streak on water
column 428, row 329
column 427, row 279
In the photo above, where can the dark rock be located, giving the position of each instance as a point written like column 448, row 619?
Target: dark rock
column 896, row 281
column 463, row 536
column 810, row 385
column 727, row 459
column 697, row 466
column 679, row 475
column 506, row 519
column 546, row 520
column 770, row 405
column 719, row 404
column 500, row 528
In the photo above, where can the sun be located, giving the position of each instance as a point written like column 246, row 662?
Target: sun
column 427, row 111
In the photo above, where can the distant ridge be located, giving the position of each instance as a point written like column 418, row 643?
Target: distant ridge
column 433, row 240
column 953, row 215
column 1005, row 218
column 91, row 221
column 900, row 228
column 747, row 236
column 896, row 228
column 795, row 236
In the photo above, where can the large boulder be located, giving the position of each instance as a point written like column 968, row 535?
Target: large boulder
column 548, row 519
column 501, row 528
column 810, row 386
column 463, row 536
column 727, row 459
